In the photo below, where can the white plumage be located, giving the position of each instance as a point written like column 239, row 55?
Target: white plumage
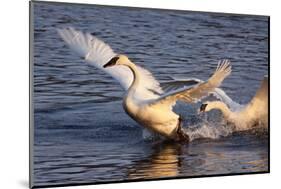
column 98, row 53
column 144, row 100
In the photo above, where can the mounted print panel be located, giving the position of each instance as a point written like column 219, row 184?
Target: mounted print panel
column 124, row 94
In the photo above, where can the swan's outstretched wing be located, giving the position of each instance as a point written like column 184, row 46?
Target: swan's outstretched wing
column 262, row 93
column 87, row 46
column 199, row 91
column 258, row 107
column 176, row 84
column 187, row 83
column 98, row 53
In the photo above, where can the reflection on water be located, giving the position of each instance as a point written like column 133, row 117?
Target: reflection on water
column 83, row 135
column 164, row 162
column 203, row 157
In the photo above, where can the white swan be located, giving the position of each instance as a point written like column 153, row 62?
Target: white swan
column 144, row 100
column 244, row 117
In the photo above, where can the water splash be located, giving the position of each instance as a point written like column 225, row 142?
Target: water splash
column 208, row 126
column 209, row 130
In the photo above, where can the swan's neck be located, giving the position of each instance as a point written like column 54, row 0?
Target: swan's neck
column 222, row 107
column 136, row 79
column 130, row 103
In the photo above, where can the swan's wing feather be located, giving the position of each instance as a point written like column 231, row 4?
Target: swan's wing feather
column 95, row 52
column 222, row 96
column 259, row 104
column 176, row 84
column 148, row 83
column 98, row 53
column 87, row 46
column 193, row 94
column 262, row 92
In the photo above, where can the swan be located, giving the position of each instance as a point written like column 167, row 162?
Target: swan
column 244, row 117
column 144, row 100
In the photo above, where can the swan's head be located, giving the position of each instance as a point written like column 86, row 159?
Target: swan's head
column 203, row 108
column 207, row 106
column 118, row 60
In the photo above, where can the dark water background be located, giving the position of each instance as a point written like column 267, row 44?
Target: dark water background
column 81, row 131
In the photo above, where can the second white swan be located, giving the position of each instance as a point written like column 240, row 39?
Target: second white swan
column 253, row 114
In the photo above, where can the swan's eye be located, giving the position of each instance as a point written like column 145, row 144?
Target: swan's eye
column 112, row 62
column 203, row 107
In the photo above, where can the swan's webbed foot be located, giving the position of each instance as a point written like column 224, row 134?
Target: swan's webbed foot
column 182, row 137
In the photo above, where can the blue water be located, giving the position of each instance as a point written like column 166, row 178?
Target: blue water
column 81, row 132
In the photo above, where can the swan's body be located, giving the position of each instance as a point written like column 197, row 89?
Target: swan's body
column 244, row 117
column 154, row 117
column 144, row 100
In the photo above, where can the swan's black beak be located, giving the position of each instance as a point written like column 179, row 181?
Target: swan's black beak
column 202, row 108
column 112, row 62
